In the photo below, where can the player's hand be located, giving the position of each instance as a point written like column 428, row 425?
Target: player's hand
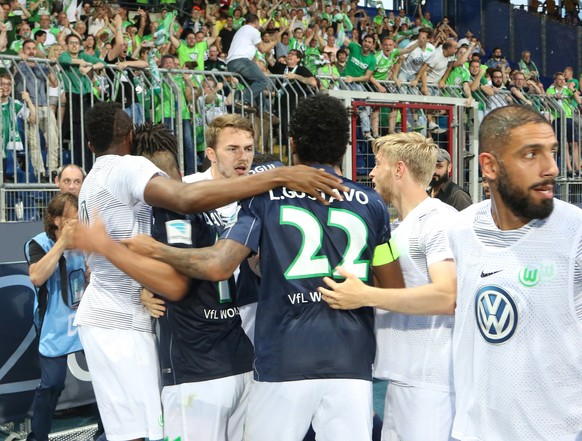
column 91, row 239
column 153, row 304
column 142, row 244
column 344, row 295
column 312, row 181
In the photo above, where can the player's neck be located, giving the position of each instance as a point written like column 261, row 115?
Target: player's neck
column 505, row 219
column 408, row 200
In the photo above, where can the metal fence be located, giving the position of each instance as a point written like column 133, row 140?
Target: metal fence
column 188, row 100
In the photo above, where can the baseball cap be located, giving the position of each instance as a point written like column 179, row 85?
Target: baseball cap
column 443, row 155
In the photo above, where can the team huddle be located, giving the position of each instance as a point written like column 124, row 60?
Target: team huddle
column 280, row 292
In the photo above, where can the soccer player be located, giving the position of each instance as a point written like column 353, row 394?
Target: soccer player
column 309, row 359
column 517, row 342
column 119, row 189
column 414, row 352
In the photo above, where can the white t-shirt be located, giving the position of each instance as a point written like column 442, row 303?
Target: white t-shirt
column 244, row 43
column 438, row 64
column 114, row 191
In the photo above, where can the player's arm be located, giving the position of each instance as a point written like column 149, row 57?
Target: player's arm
column 156, row 276
column 207, row 195
column 214, row 263
column 437, row 297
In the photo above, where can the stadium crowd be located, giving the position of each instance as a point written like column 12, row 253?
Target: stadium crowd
column 66, row 59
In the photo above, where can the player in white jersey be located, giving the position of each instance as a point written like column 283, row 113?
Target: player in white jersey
column 118, row 190
column 414, row 351
column 517, row 343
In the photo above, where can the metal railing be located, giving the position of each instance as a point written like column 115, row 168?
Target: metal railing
column 34, row 149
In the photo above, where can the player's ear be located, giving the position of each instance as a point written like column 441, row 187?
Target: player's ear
column 210, row 154
column 489, row 165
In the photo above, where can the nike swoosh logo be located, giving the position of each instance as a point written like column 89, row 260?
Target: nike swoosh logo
column 489, row 274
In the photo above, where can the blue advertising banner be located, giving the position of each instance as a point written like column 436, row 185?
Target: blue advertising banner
column 19, row 366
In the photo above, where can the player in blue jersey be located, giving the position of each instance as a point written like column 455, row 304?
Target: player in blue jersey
column 312, row 364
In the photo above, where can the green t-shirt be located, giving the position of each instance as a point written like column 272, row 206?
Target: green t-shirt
column 196, row 53
column 312, row 54
column 458, row 76
column 170, row 101
column 567, row 102
column 327, row 70
column 358, row 63
column 75, row 82
column 384, row 64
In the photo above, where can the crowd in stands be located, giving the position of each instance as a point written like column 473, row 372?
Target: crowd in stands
column 281, row 51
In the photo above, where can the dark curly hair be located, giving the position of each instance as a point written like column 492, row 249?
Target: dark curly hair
column 320, row 129
column 106, row 124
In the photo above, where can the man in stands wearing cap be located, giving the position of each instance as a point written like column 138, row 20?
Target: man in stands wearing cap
column 441, row 186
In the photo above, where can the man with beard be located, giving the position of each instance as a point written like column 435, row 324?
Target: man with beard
column 517, row 343
column 441, row 186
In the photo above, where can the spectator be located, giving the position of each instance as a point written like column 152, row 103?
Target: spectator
column 34, row 79
column 498, row 60
column 528, row 67
column 409, row 69
column 76, row 67
column 177, row 92
column 51, row 32
column 242, row 51
column 193, row 48
column 299, row 82
column 213, row 63
column 458, row 74
column 341, row 60
column 24, row 33
column 226, row 35
column 521, row 86
column 122, row 81
column 567, row 101
column 443, row 188
column 327, row 73
column 359, row 69
column 12, row 111
column 282, row 47
column 386, row 59
column 69, row 179
column 571, row 82
column 59, row 274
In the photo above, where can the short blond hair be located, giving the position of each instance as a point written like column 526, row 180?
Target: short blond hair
column 414, row 150
column 235, row 121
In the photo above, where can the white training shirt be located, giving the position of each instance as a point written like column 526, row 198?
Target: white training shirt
column 438, row 64
column 517, row 344
column 416, row 349
column 114, row 192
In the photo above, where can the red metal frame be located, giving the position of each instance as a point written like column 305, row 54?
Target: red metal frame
column 403, row 107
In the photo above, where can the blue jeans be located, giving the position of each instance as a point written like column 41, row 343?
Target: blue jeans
column 53, row 371
column 135, row 112
column 188, row 143
column 253, row 76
